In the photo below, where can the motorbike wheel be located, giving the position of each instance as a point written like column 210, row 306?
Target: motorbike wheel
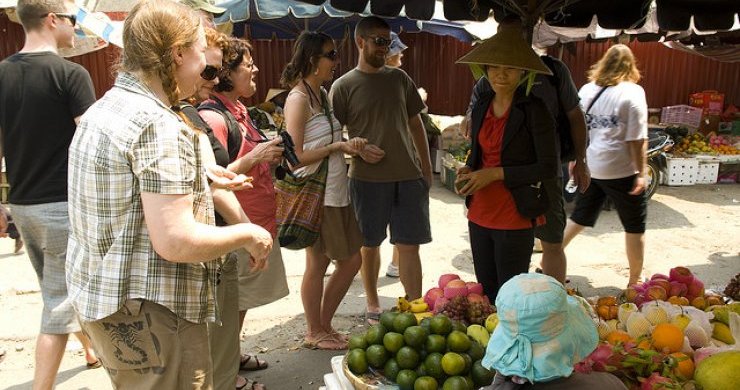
column 652, row 179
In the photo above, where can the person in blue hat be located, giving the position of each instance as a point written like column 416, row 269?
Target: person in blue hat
column 542, row 333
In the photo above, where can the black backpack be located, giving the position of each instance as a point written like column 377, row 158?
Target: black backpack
column 562, row 124
column 234, row 138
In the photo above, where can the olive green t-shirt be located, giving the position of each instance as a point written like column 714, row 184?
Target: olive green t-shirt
column 377, row 106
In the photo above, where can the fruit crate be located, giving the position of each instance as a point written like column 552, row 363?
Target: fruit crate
column 682, row 115
column 681, row 171
column 707, row 170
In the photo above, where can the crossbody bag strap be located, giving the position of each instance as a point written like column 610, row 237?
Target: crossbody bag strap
column 598, row 95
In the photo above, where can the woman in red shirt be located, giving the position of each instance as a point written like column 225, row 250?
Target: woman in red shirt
column 513, row 150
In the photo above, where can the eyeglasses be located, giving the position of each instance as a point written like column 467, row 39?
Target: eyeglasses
column 71, row 17
column 332, row 55
column 209, row 73
column 380, row 41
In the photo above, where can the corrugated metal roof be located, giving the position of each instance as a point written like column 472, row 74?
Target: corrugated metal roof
column 668, row 76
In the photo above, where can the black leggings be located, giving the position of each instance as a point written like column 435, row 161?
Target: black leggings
column 499, row 255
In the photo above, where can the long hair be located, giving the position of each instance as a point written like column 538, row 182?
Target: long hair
column 150, row 32
column 234, row 53
column 618, row 64
column 306, row 54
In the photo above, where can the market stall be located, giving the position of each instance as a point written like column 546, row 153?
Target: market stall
column 668, row 332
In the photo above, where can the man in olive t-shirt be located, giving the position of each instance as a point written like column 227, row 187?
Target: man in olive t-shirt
column 389, row 180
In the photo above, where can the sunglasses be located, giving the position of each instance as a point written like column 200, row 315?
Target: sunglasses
column 71, row 17
column 209, row 73
column 332, row 55
column 380, row 41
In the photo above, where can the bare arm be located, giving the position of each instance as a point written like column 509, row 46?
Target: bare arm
column 177, row 237
column 581, row 174
column 263, row 152
column 638, row 155
column 419, row 135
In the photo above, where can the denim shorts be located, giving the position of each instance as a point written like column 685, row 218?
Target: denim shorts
column 45, row 228
column 404, row 205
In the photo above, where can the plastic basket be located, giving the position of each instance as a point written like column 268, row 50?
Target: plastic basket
column 682, row 115
column 707, row 170
column 681, row 171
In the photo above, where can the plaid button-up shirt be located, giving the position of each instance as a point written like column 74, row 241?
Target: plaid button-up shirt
column 127, row 143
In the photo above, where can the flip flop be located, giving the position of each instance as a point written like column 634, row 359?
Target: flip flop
column 315, row 344
column 94, row 365
column 258, row 364
column 372, row 317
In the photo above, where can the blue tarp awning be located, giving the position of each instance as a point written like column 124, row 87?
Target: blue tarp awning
column 285, row 19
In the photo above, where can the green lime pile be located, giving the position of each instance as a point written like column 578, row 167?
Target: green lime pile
column 433, row 354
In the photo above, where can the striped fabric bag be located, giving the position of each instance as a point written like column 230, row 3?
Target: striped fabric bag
column 300, row 202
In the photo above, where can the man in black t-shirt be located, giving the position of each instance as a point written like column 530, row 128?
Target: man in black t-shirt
column 41, row 99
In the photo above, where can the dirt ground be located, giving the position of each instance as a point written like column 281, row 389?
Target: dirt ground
column 696, row 226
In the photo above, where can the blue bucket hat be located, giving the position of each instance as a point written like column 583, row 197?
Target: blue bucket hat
column 396, row 45
column 542, row 332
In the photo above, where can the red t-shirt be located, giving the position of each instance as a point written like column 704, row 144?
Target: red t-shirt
column 493, row 206
column 258, row 202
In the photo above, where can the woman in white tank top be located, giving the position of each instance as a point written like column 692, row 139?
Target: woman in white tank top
column 318, row 136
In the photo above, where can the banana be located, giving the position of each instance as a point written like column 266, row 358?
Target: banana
column 419, row 306
column 403, row 304
column 421, row 316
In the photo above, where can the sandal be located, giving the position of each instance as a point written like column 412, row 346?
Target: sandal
column 327, row 338
column 372, row 317
column 244, row 363
column 339, row 336
column 250, row 384
column 93, row 365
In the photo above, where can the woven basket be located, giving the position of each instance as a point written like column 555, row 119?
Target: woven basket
column 364, row 382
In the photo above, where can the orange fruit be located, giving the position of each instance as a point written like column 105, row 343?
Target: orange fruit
column 618, row 336
column 644, row 344
column 667, row 337
column 684, row 365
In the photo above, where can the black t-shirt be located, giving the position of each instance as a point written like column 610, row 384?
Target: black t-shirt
column 40, row 95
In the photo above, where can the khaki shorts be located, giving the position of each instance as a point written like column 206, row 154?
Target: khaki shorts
column 340, row 236
column 224, row 338
column 263, row 287
column 146, row 346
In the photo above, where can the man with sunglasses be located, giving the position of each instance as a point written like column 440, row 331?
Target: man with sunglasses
column 389, row 184
column 41, row 100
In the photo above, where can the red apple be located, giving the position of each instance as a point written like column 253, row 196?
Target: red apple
column 439, row 304
column 474, row 288
column 446, row 278
column 658, row 276
column 677, row 289
column 455, row 288
column 681, row 274
column 696, row 289
column 431, row 296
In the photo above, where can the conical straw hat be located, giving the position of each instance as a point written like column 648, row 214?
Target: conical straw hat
column 506, row 48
